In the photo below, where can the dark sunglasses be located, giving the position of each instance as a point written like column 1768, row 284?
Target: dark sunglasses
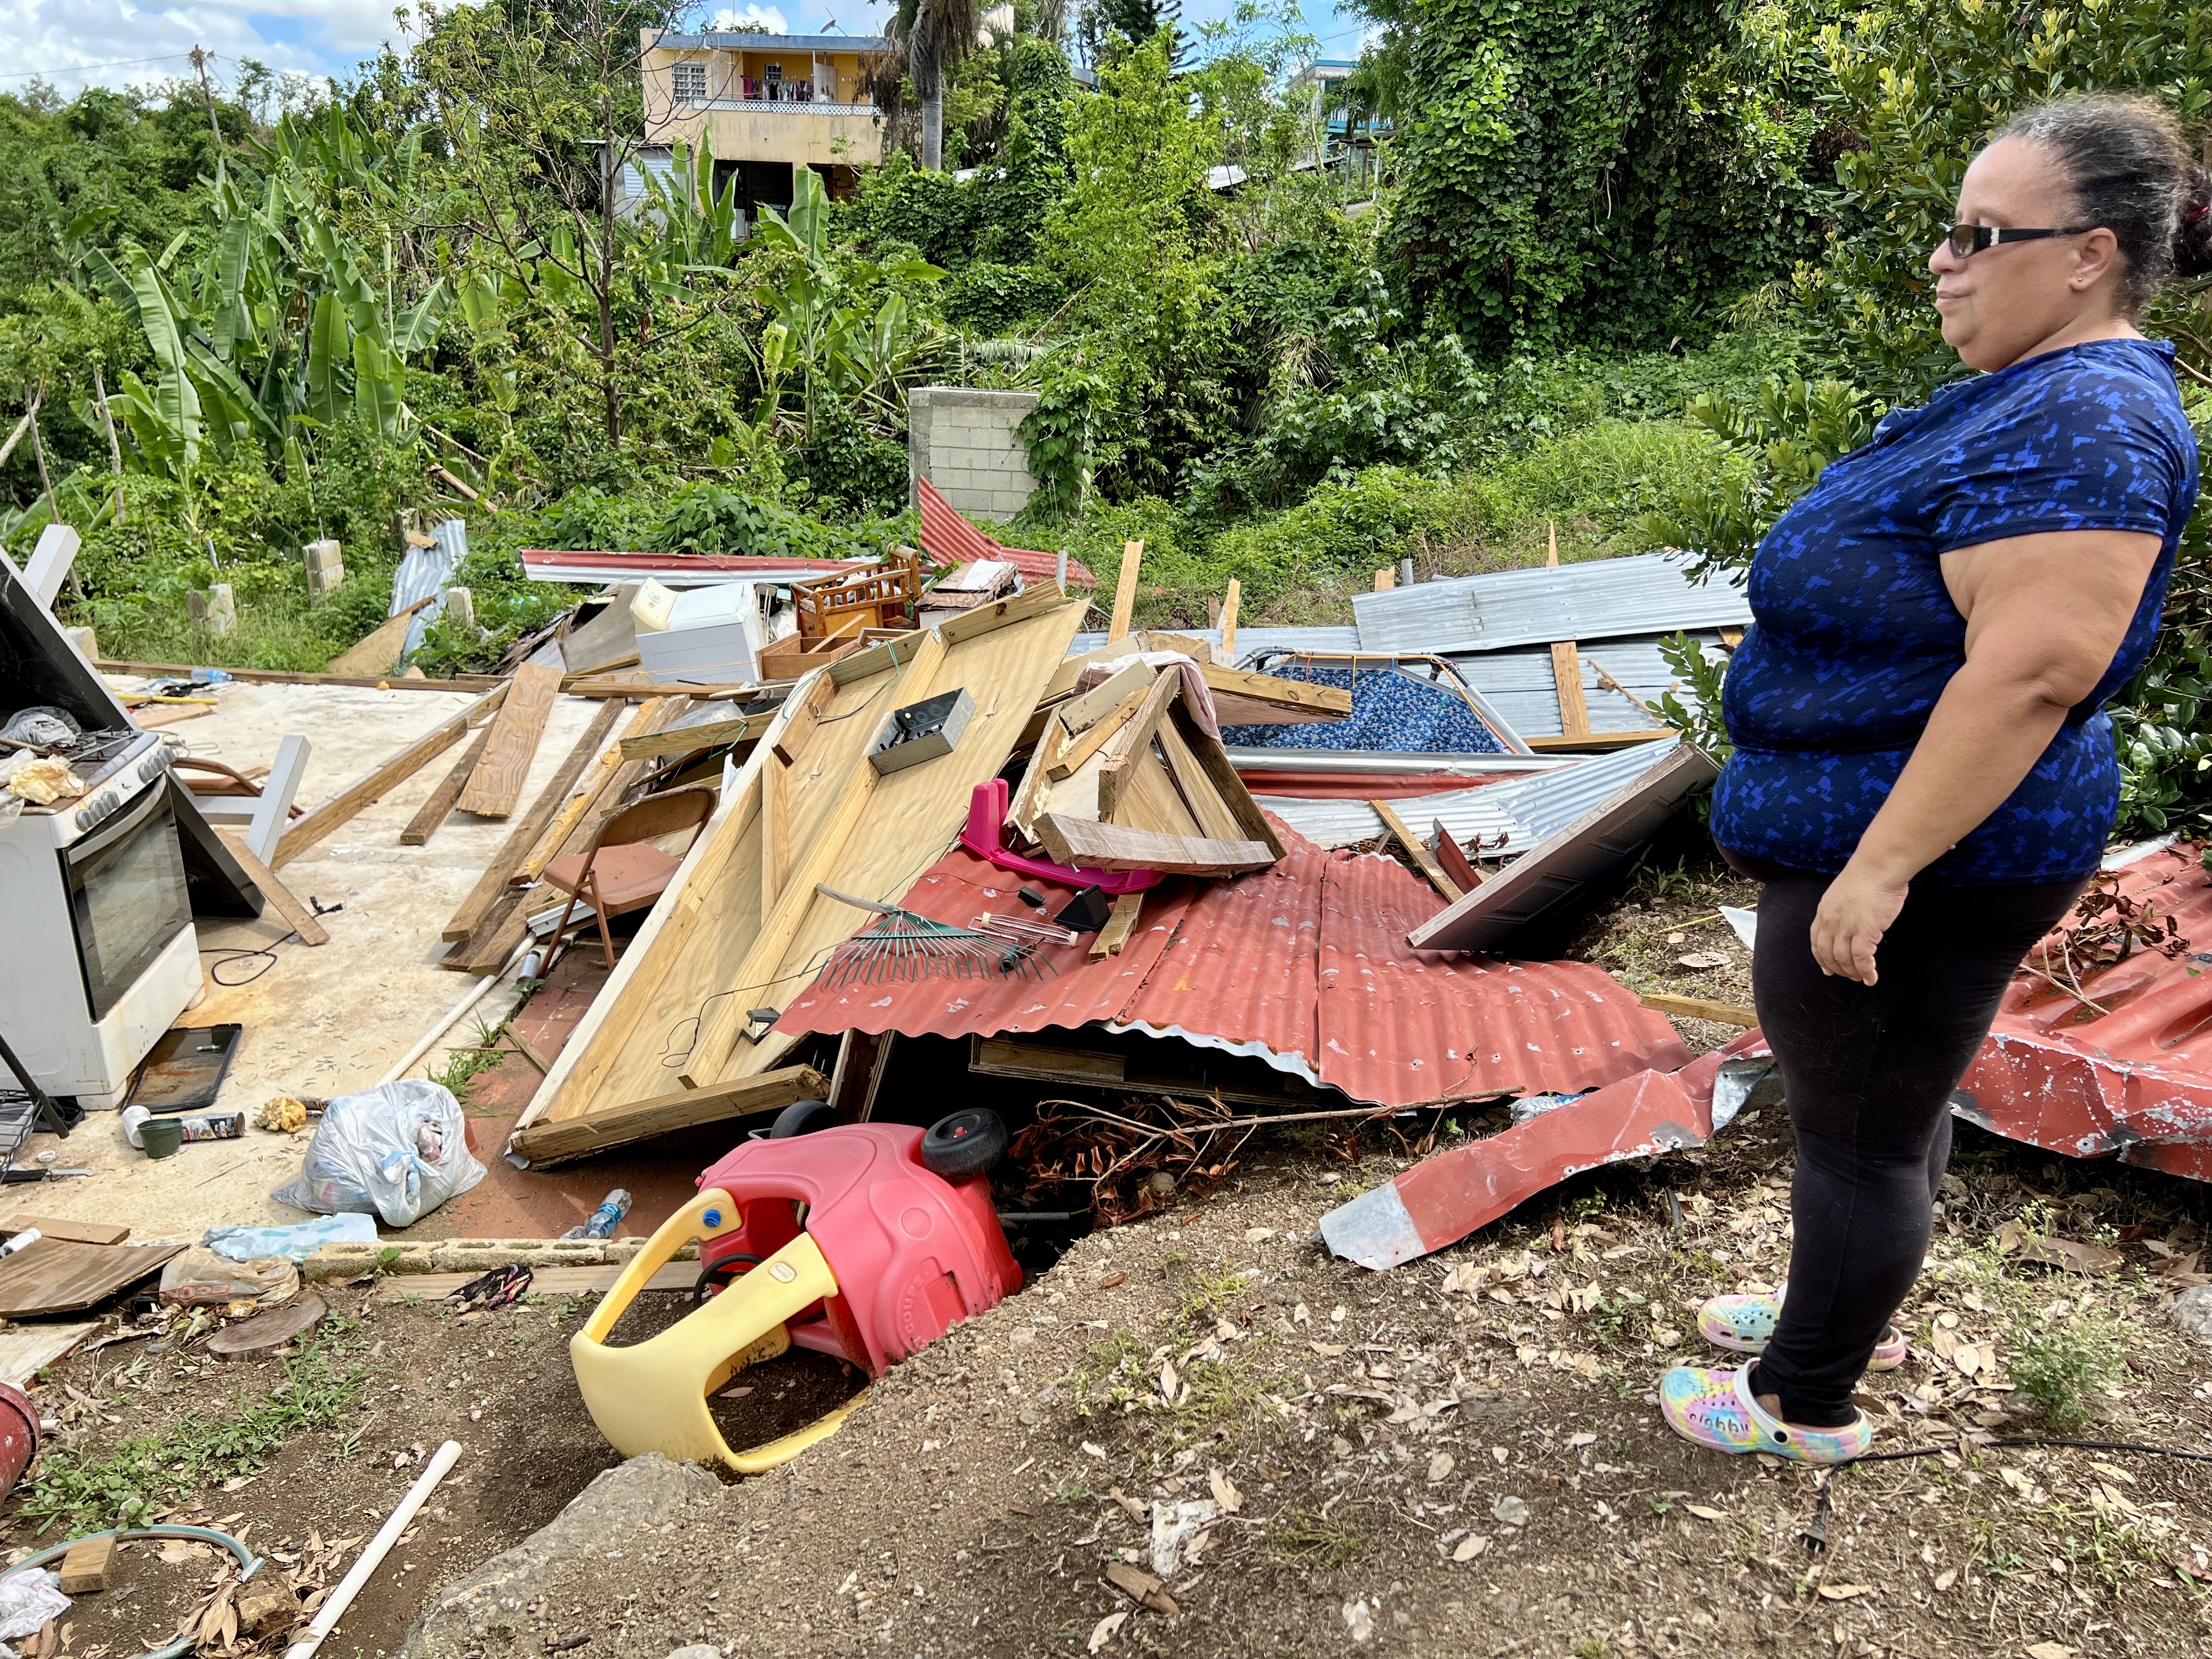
column 1967, row 240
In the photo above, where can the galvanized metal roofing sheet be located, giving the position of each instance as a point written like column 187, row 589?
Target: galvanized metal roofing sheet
column 1524, row 810
column 1304, row 965
column 1249, row 639
column 1595, row 599
column 1519, row 685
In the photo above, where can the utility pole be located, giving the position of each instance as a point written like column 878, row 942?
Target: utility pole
column 200, row 61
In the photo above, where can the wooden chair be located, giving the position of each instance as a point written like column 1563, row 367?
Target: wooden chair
column 622, row 871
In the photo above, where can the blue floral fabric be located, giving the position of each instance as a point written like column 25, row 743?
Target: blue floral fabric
column 1856, row 635
column 1390, row 709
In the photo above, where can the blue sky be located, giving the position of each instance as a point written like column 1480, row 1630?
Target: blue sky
column 75, row 43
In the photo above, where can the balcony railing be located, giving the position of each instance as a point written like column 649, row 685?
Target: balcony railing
column 777, row 105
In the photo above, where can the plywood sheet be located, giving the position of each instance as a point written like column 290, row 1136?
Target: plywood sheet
column 496, row 784
column 53, row 1275
column 27, row 1350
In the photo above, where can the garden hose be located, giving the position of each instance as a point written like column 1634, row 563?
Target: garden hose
column 247, row 1559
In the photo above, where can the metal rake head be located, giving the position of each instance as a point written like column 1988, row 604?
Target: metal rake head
column 902, row 946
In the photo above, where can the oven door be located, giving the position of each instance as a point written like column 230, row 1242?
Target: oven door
column 127, row 897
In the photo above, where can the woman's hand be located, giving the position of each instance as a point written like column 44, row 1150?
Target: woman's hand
column 1855, row 912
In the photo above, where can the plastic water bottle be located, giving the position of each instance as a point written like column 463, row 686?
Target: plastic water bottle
column 605, row 1218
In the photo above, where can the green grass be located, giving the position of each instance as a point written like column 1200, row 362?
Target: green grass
column 85, row 1492
column 1309, row 1539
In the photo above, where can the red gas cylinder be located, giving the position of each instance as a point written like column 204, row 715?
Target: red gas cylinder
column 19, row 1435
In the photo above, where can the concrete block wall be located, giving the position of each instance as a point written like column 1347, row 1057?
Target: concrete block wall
column 963, row 442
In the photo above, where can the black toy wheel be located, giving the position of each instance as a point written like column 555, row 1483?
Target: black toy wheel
column 967, row 1143
column 802, row 1117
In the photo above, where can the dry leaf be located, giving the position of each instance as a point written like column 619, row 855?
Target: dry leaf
column 1945, row 1578
column 1843, row 1592
column 1969, row 1360
column 1703, row 1512
column 1135, row 1510
column 1470, row 1546
column 1440, row 1467
column 1257, row 1235
column 2051, row 1651
column 1326, row 1350
column 1104, row 1631
column 1168, row 1381
column 1227, row 1496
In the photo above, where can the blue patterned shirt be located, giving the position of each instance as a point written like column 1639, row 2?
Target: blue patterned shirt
column 1856, row 637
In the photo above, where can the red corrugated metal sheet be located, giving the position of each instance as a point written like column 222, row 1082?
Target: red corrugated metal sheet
column 2126, row 1066
column 1303, row 965
column 948, row 536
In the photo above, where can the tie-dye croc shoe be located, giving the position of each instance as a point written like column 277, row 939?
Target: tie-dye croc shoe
column 1746, row 1324
column 1713, row 1406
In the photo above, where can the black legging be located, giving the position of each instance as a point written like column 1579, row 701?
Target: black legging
column 1869, row 1071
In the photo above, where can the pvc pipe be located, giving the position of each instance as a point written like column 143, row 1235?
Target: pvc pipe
column 475, row 995
column 378, row 1546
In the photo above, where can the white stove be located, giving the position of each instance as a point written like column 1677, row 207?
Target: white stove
column 101, row 955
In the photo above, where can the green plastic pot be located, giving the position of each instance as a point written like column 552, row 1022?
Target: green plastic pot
column 163, row 1137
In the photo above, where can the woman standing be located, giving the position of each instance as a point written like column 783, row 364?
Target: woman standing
column 1922, row 778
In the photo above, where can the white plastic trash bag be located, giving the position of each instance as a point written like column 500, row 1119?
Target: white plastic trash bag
column 399, row 1149
column 28, row 1602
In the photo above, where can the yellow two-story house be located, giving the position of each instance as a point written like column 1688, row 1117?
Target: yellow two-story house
column 767, row 103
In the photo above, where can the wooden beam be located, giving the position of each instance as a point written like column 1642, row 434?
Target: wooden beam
column 1100, row 734
column 1125, row 591
column 287, row 904
column 526, row 830
column 364, row 791
column 1601, row 740
column 687, row 739
column 1132, row 744
column 1567, row 682
column 807, row 708
column 1274, row 699
column 610, row 773
column 1080, row 714
column 774, row 831
column 1724, row 1014
column 474, row 684
column 1215, row 819
column 1036, row 782
column 1114, row 935
column 75, row 1232
column 1385, row 579
column 1033, row 601
column 434, row 811
column 1229, row 618
column 1118, row 847
column 379, row 652
column 1228, row 784
column 1551, row 544
column 496, row 784
column 1394, row 825
column 549, row 1142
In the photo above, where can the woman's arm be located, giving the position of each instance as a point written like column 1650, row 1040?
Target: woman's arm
column 2045, row 614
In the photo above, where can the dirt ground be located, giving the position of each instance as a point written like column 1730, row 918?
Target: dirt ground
column 1459, row 1457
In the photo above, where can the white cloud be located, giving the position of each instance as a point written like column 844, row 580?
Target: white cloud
column 76, row 43
column 753, row 19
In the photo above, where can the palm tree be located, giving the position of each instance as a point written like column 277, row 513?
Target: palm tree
column 928, row 38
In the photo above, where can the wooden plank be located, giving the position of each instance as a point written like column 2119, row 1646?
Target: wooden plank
column 1229, row 618
column 1421, row 855
column 1228, row 785
column 600, row 687
column 365, row 790
column 27, row 1350
column 1145, row 798
column 434, row 811
column 84, row 1568
column 1101, row 733
column 153, row 719
column 1036, row 601
column 1125, row 591
column 1385, row 579
column 543, row 1144
column 775, row 832
column 1110, row 939
column 806, row 709
column 1453, row 859
column 1118, row 847
column 1600, row 740
column 474, row 684
column 1726, row 1013
column 524, row 834
column 77, row 1232
column 1567, row 681
column 677, row 1276
column 1134, row 743
column 1036, row 783
column 1080, row 714
column 1274, row 699
column 719, row 1030
column 609, row 774
column 1214, row 818
column 496, row 784
column 687, row 739
column 286, row 903
column 379, row 652
column 53, row 1275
